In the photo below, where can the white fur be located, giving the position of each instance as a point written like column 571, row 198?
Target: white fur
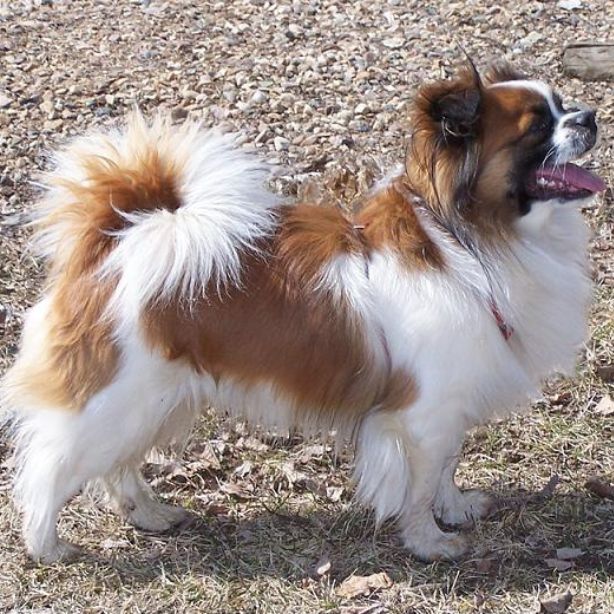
column 57, row 452
column 441, row 328
column 565, row 138
column 225, row 208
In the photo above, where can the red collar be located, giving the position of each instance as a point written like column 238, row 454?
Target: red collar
column 506, row 330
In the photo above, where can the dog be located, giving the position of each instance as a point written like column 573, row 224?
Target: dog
column 177, row 280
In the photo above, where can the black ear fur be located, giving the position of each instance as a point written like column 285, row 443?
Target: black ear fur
column 458, row 112
column 502, row 71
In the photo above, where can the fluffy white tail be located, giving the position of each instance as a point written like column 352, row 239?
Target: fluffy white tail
column 169, row 208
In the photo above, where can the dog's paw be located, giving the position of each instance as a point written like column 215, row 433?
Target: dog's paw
column 157, row 517
column 465, row 508
column 437, row 547
column 61, row 551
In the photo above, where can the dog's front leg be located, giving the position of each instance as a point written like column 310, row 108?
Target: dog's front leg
column 428, row 457
column 454, row 506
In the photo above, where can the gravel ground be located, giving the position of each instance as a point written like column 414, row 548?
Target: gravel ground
column 321, row 87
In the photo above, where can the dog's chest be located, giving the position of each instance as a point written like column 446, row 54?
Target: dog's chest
column 448, row 326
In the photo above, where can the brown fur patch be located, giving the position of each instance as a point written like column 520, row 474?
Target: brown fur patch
column 78, row 358
column 91, row 208
column 390, row 221
column 276, row 329
column 311, row 236
column 437, row 165
column 502, row 71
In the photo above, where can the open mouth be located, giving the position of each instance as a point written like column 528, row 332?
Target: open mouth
column 564, row 181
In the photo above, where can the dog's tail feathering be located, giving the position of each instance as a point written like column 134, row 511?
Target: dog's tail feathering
column 163, row 210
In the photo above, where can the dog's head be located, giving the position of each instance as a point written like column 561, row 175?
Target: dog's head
column 487, row 148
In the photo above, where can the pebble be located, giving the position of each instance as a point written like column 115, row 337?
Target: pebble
column 281, row 143
column 258, row 97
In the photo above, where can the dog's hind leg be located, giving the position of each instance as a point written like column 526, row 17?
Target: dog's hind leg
column 131, row 496
column 55, row 456
column 58, row 451
column 134, row 499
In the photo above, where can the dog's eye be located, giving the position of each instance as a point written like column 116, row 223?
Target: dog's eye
column 542, row 123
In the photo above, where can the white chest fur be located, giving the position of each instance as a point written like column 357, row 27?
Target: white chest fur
column 441, row 325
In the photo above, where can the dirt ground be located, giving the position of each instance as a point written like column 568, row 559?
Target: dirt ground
column 320, row 87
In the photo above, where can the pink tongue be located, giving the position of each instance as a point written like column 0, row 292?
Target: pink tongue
column 574, row 175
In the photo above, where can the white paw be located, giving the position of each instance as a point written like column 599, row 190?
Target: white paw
column 61, row 550
column 464, row 508
column 157, row 517
column 436, row 547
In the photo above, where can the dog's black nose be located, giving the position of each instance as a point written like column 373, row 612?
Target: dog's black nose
column 586, row 119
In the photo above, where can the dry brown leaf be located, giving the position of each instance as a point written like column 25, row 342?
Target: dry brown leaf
column 557, row 604
column 560, row 565
column 363, row 585
column 255, row 444
column 334, row 493
column 606, row 372
column 206, row 454
column 568, row 554
column 234, row 490
column 244, row 468
column 550, row 487
column 600, row 488
column 485, row 565
column 217, row 509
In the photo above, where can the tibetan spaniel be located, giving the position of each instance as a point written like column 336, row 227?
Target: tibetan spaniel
column 178, row 281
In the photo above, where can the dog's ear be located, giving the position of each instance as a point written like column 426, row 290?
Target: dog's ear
column 453, row 105
column 502, row 71
column 457, row 112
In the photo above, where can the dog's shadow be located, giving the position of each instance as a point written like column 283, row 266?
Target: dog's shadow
column 515, row 549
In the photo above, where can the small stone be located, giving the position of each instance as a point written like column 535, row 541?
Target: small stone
column 569, row 5
column 230, row 95
column 393, row 43
column 606, row 372
column 294, row 31
column 605, row 407
column 5, row 101
column 286, row 100
column 560, row 565
column 529, row 40
column 359, row 126
column 323, row 566
column 52, row 125
column 258, row 97
column 280, row 143
column 568, row 554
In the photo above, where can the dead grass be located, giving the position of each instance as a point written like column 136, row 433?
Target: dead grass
column 267, row 513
